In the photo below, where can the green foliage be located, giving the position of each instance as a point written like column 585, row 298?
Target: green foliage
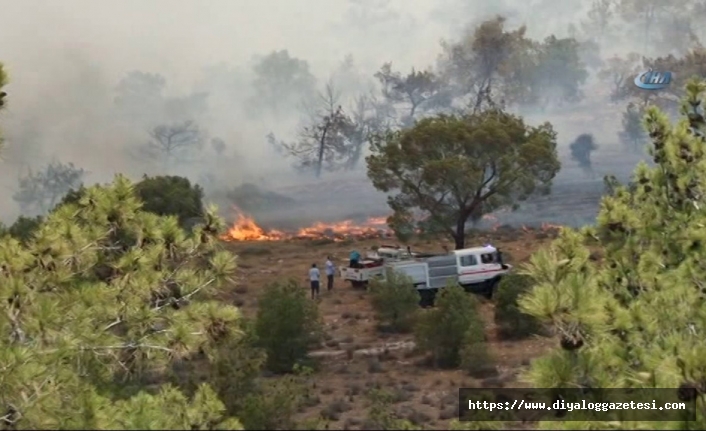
column 103, row 299
column 171, row 196
column 636, row 319
column 445, row 167
column 512, row 323
column 273, row 405
column 160, row 195
column 23, row 228
column 287, row 325
column 450, row 327
column 380, row 412
column 396, row 301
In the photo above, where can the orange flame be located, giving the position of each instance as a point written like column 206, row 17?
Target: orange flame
column 246, row 229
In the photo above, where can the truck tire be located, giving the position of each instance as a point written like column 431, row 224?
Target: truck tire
column 426, row 297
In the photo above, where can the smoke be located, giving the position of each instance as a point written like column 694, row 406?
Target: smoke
column 66, row 60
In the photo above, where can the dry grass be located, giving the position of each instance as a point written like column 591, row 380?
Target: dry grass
column 422, row 395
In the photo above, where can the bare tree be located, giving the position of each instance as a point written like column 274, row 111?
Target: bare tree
column 368, row 117
column 174, row 143
column 325, row 142
column 40, row 191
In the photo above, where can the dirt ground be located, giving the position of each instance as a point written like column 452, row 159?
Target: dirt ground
column 356, row 356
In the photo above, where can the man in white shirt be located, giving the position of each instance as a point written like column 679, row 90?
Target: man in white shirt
column 314, row 277
column 330, row 271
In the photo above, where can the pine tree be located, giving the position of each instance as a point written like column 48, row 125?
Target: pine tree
column 635, row 319
column 96, row 306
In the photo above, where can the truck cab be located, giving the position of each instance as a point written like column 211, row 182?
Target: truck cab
column 480, row 268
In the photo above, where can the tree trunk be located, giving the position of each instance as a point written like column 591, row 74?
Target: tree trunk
column 460, row 235
column 320, row 158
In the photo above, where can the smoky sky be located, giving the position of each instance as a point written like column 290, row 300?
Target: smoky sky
column 65, row 59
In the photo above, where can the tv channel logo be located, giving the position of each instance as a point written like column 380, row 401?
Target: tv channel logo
column 653, row 80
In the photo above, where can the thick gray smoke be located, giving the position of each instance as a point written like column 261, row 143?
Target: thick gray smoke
column 195, row 62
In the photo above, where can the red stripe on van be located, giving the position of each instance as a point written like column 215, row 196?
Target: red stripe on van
column 485, row 271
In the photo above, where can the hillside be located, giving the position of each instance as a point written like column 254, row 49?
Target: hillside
column 356, row 356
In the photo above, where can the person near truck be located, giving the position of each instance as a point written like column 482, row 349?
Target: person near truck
column 330, row 271
column 314, row 277
column 355, row 259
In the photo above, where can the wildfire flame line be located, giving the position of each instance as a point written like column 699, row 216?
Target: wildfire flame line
column 246, row 229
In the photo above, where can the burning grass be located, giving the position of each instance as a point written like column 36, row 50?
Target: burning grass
column 246, row 228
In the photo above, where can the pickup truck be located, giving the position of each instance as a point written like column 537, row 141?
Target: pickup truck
column 477, row 269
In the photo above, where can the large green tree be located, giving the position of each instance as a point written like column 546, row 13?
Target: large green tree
column 635, row 319
column 97, row 305
column 447, row 167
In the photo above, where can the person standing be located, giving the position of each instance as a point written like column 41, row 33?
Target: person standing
column 330, row 271
column 355, row 259
column 314, row 278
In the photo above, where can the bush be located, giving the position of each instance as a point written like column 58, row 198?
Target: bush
column 396, row 301
column 171, row 195
column 381, row 414
column 287, row 325
column 451, row 326
column 512, row 323
column 160, row 195
column 23, row 228
column 273, row 406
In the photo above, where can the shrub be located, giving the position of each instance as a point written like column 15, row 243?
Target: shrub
column 273, row 405
column 171, row 195
column 160, row 195
column 381, row 415
column 287, row 325
column 512, row 323
column 453, row 324
column 23, row 228
column 396, row 301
